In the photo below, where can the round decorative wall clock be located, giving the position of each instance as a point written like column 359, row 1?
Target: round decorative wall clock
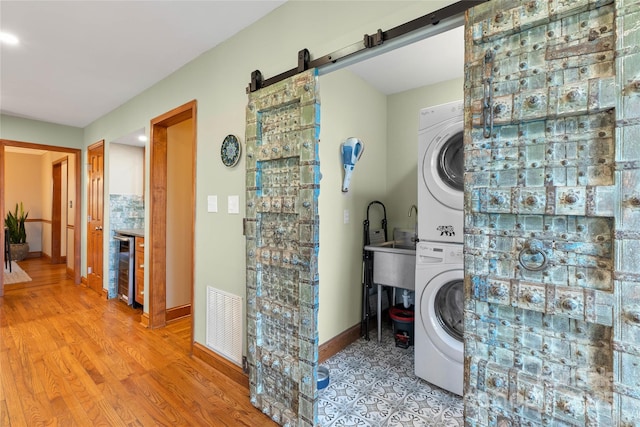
column 230, row 151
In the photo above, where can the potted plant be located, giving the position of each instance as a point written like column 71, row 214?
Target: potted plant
column 17, row 233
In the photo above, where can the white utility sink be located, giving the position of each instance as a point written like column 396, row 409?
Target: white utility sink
column 394, row 264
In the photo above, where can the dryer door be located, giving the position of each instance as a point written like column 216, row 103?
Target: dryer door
column 442, row 311
column 443, row 165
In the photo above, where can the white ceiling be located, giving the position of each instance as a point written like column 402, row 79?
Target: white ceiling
column 77, row 61
column 435, row 59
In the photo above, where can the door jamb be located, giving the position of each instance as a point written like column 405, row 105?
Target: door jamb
column 158, row 216
column 57, row 228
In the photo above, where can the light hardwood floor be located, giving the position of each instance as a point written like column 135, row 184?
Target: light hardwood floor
column 70, row 357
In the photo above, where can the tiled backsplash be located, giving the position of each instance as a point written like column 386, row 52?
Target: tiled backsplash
column 125, row 211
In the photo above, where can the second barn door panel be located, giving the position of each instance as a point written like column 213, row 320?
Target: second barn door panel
column 543, row 254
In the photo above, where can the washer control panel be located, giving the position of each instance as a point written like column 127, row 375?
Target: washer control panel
column 439, row 253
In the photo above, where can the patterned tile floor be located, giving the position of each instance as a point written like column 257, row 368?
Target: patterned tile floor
column 374, row 385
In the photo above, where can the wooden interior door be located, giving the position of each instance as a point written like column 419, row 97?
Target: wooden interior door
column 282, row 178
column 95, row 208
column 552, row 267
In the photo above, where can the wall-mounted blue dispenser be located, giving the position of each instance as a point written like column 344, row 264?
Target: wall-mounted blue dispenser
column 352, row 150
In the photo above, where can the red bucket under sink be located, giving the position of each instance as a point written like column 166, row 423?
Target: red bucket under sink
column 401, row 314
column 403, row 327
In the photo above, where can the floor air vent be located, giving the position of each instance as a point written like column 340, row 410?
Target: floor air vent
column 224, row 324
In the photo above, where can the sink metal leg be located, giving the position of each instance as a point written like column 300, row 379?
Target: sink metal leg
column 379, row 315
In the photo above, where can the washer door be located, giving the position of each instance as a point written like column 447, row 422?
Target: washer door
column 443, row 165
column 442, row 312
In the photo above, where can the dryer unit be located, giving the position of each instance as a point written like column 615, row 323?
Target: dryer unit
column 439, row 315
column 441, row 173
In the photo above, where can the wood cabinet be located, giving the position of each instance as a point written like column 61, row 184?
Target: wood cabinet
column 139, row 271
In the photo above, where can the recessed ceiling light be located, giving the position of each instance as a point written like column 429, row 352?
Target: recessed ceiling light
column 142, row 138
column 8, row 38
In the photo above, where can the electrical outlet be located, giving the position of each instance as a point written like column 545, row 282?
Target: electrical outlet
column 346, row 216
column 245, row 365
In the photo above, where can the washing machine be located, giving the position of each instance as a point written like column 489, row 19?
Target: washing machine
column 439, row 310
column 441, row 173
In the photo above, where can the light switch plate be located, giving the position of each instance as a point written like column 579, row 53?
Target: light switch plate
column 212, row 203
column 233, row 204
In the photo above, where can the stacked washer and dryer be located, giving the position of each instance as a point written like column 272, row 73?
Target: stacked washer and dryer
column 439, row 292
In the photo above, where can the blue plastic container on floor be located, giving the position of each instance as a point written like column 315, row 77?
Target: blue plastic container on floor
column 323, row 377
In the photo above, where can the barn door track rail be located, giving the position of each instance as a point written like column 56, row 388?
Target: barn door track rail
column 369, row 41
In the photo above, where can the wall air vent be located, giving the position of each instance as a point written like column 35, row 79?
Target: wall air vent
column 224, row 324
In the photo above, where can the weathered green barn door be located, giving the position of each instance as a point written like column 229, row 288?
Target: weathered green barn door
column 552, row 225
column 282, row 179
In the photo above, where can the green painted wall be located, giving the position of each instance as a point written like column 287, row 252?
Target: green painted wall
column 25, row 130
column 350, row 108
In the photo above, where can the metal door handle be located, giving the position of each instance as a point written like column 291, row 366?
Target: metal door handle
column 487, row 101
column 533, row 257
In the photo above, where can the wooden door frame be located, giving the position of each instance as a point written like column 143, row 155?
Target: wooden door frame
column 56, row 211
column 77, row 234
column 158, row 211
